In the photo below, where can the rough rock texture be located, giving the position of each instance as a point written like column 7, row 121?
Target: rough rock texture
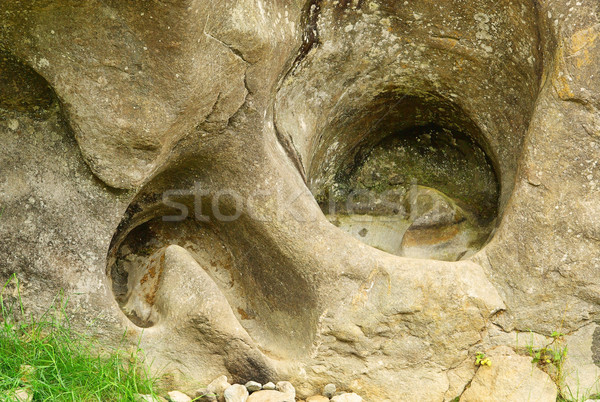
column 113, row 114
column 270, row 396
column 236, row 393
column 347, row 397
column 582, row 373
column 510, row 378
column 176, row 396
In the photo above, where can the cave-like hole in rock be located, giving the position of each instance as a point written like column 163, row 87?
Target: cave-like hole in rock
column 137, row 263
column 230, row 271
column 415, row 182
column 21, row 88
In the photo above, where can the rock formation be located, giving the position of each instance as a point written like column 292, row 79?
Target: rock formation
column 182, row 170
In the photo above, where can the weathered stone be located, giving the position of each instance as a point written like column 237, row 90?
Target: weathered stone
column 269, row 386
column 27, row 373
column 286, row 387
column 347, row 397
column 218, row 386
column 510, row 378
column 329, row 390
column 582, row 364
column 17, row 395
column 252, row 386
column 270, row 396
column 274, row 105
column 176, row 396
column 236, row 393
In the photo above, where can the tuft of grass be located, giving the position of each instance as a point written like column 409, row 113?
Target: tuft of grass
column 55, row 363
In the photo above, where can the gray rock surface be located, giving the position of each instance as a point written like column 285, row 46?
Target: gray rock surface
column 17, row 395
column 510, row 378
column 176, row 396
column 236, row 393
column 252, row 386
column 347, row 397
column 286, row 387
column 269, row 386
column 582, row 374
column 113, row 113
column 329, row 390
column 270, row 396
column 219, row 384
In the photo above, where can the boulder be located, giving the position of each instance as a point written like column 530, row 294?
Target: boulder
column 236, row 393
column 270, row 396
column 510, row 377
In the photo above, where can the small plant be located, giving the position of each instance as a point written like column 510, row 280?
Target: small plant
column 47, row 359
column 482, row 360
column 551, row 359
column 548, row 355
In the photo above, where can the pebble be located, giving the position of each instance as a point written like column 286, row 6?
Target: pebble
column 19, row 395
column 218, row 386
column 236, row 393
column 269, row 386
column 286, row 387
column 253, row 386
column 176, row 396
column 329, row 390
column 220, row 390
column 271, row 396
column 351, row 397
column 27, row 372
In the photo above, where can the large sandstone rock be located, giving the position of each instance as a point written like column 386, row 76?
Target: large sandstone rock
column 270, row 396
column 581, row 368
column 255, row 118
column 510, row 378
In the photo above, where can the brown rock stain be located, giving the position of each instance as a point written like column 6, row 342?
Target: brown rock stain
column 429, row 236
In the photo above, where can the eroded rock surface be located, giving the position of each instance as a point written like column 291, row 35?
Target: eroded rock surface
column 241, row 118
column 510, row 378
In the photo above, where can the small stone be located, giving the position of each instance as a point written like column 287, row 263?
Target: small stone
column 329, row 390
column 270, row 396
column 317, row 398
column 253, row 386
column 176, row 396
column 511, row 377
column 218, row 386
column 236, row 393
column 286, row 387
column 269, row 386
column 27, row 372
column 17, row 395
column 348, row 397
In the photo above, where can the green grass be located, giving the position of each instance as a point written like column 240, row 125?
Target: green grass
column 49, row 358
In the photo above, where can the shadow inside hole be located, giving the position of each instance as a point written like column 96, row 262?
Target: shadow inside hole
column 138, row 265
column 22, row 89
column 424, row 192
